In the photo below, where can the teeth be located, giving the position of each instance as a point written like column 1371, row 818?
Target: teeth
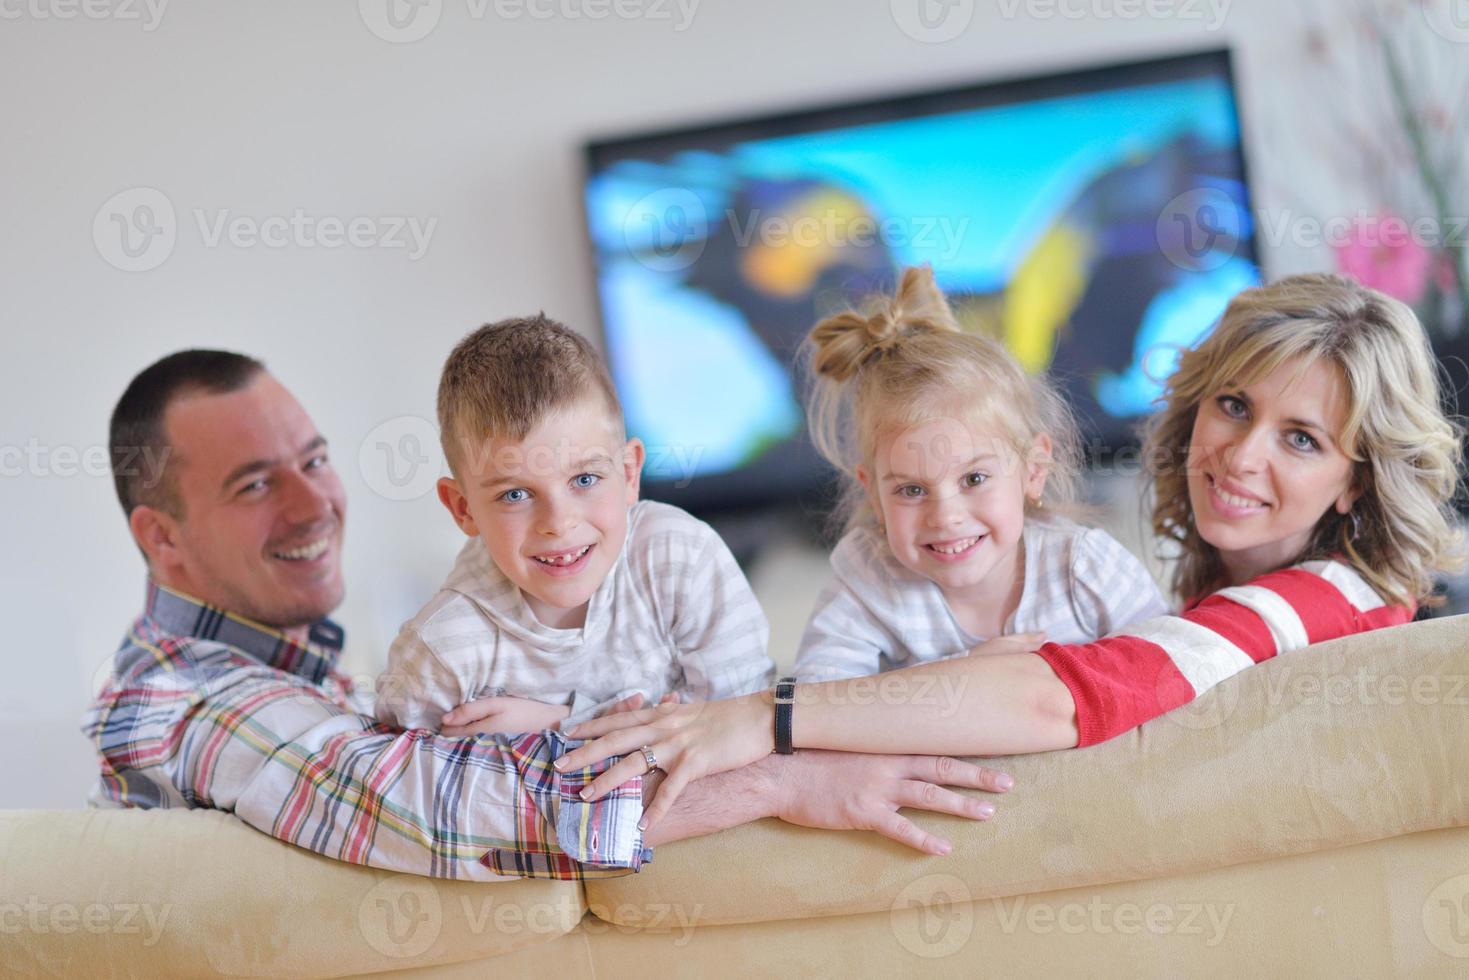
column 570, row 558
column 1235, row 501
column 955, row 548
column 306, row 552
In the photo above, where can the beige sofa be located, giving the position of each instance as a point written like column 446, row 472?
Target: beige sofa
column 1306, row 818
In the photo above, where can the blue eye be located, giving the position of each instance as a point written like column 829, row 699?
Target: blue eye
column 253, row 486
column 316, row 462
column 1232, row 406
column 910, row 491
column 585, row 480
column 1302, row 442
column 514, row 496
column 975, row 479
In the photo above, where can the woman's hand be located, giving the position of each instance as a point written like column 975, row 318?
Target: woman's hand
column 489, row 716
column 689, row 741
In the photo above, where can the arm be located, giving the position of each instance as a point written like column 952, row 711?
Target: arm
column 234, row 735
column 417, row 688
column 831, row 791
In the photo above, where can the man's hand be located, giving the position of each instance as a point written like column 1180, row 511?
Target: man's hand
column 848, row 791
column 489, row 716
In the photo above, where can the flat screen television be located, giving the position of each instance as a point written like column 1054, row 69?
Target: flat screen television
column 1097, row 221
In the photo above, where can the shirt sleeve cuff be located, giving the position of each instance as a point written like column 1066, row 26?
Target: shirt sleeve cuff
column 591, row 840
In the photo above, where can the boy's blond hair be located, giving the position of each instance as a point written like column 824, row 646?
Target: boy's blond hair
column 503, row 379
column 1406, row 452
column 909, row 362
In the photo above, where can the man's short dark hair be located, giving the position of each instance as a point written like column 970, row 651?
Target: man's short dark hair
column 136, row 440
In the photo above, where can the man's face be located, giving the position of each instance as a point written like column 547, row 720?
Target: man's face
column 261, row 529
column 552, row 507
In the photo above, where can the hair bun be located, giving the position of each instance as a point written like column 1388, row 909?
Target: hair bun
column 847, row 341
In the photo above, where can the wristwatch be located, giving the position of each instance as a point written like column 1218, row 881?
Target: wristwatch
column 785, row 698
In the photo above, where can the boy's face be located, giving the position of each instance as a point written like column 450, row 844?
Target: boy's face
column 551, row 508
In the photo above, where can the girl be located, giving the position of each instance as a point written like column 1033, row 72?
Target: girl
column 1304, row 465
column 956, row 464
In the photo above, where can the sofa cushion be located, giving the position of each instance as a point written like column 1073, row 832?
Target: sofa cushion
column 100, row 892
column 1354, row 740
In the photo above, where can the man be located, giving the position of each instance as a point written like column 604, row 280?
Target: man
column 225, row 693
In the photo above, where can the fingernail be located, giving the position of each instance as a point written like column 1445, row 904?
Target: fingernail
column 559, row 765
column 643, row 824
column 945, row 847
column 986, row 809
column 1005, row 781
column 586, row 793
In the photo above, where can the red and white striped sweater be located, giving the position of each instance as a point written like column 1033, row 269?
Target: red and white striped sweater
column 1152, row 667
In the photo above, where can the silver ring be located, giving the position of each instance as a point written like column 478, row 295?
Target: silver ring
column 649, row 758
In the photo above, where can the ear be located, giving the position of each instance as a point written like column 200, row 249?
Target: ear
column 1348, row 498
column 633, row 455
column 1038, row 466
column 458, row 505
column 157, row 534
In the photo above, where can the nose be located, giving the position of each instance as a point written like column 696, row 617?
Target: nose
column 944, row 509
column 1248, row 453
column 307, row 500
column 556, row 516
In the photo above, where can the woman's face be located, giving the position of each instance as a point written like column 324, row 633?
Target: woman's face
column 1264, row 466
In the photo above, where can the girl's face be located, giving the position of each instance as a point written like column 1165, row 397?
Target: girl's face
column 951, row 498
column 1264, row 466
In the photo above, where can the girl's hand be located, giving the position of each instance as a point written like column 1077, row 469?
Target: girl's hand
column 689, row 740
column 1016, row 643
column 489, row 716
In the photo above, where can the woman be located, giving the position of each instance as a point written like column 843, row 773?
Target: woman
column 1304, row 467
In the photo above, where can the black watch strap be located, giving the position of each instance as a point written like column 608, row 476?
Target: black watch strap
column 785, row 698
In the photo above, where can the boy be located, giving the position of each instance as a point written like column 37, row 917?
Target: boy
column 571, row 594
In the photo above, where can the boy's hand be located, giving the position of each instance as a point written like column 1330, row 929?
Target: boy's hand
column 634, row 701
column 1015, row 643
column 489, row 716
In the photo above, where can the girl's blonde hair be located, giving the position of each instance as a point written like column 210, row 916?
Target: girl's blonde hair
column 908, row 362
column 1406, row 452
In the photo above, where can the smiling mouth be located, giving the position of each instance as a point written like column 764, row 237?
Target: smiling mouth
column 306, row 552
column 1234, row 500
column 957, row 548
column 562, row 559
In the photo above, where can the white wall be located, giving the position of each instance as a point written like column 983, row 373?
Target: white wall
column 269, row 106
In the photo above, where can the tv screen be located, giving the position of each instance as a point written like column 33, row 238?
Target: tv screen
column 1096, row 221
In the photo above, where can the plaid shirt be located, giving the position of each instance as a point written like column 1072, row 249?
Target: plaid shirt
column 206, row 709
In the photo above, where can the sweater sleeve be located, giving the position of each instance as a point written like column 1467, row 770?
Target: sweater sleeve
column 1121, row 681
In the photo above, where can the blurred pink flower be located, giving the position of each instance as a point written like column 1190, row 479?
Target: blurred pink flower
column 1383, row 254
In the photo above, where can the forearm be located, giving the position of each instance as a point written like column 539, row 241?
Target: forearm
column 717, row 802
column 978, row 705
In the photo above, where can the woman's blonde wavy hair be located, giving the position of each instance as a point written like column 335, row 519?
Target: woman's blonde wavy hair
column 907, row 361
column 1406, row 451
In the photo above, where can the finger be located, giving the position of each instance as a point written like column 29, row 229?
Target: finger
column 927, row 796
column 472, row 711
column 486, row 727
column 898, row 827
column 630, row 766
column 670, row 698
column 611, row 723
column 617, row 743
column 632, row 702
column 945, row 771
column 666, row 796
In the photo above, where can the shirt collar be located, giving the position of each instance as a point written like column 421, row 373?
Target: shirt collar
column 184, row 615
